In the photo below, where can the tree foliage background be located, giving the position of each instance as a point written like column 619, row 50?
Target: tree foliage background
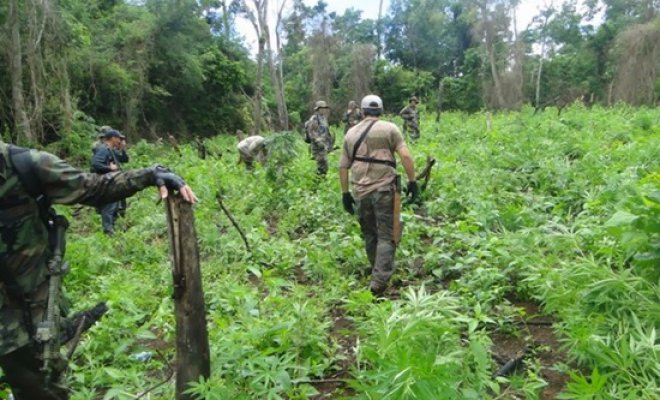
column 155, row 67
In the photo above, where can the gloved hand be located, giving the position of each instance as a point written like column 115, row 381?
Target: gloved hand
column 166, row 180
column 412, row 191
column 164, row 177
column 348, row 202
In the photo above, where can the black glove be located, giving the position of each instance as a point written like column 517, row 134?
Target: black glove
column 348, row 201
column 412, row 191
column 168, row 179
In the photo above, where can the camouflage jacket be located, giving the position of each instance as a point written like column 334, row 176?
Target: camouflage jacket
column 319, row 130
column 409, row 114
column 352, row 117
column 23, row 235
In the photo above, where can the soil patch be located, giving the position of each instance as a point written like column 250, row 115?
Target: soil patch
column 341, row 333
column 537, row 340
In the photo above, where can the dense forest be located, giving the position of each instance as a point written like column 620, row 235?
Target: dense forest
column 155, row 67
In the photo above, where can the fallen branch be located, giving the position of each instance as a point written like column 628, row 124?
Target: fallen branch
column 218, row 196
column 426, row 172
column 316, row 381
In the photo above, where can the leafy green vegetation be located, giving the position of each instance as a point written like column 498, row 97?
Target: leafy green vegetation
column 559, row 212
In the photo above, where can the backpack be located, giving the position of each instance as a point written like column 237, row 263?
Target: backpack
column 24, row 167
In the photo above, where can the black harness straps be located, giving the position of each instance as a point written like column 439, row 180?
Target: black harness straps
column 368, row 159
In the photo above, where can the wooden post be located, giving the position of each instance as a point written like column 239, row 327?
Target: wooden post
column 192, row 339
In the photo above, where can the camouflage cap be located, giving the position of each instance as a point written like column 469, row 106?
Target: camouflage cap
column 320, row 104
column 413, row 98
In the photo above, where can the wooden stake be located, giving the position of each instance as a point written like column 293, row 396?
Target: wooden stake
column 426, row 172
column 192, row 341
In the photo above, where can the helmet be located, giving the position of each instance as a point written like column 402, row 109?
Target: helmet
column 320, row 104
column 413, row 98
column 372, row 101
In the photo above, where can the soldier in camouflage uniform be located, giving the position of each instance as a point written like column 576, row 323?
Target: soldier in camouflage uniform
column 25, row 252
column 411, row 118
column 352, row 116
column 318, row 131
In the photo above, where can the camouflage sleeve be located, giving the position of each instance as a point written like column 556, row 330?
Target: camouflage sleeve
column 64, row 184
column 405, row 113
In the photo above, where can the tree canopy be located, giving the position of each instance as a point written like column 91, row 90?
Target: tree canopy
column 182, row 67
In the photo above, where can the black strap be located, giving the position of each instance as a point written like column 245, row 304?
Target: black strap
column 372, row 160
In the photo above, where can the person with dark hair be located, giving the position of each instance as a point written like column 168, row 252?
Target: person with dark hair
column 31, row 248
column 368, row 157
column 105, row 161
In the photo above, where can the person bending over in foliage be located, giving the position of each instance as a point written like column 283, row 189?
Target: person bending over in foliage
column 411, row 118
column 368, row 153
column 318, row 131
column 251, row 148
column 30, row 181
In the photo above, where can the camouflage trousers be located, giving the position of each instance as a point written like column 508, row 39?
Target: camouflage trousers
column 246, row 158
column 22, row 369
column 413, row 127
column 376, row 213
column 320, row 154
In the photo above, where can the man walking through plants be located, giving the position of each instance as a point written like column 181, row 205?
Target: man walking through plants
column 410, row 117
column 352, row 116
column 32, row 319
column 369, row 154
column 318, row 132
column 105, row 161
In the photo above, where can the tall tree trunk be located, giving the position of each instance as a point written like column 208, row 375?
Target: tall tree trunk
column 488, row 27
column 280, row 73
column 265, row 31
column 65, row 94
column 537, row 99
column 14, row 53
column 256, row 20
column 258, row 90
column 36, row 25
column 379, row 29
column 225, row 19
